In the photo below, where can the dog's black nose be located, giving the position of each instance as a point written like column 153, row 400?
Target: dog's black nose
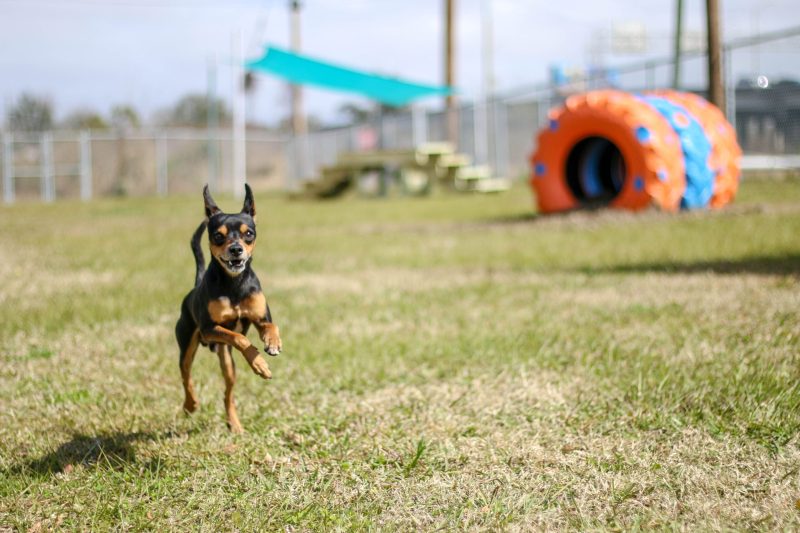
column 236, row 250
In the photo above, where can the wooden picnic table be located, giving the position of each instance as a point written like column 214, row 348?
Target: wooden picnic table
column 416, row 170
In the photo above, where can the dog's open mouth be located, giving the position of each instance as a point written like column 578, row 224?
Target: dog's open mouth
column 235, row 264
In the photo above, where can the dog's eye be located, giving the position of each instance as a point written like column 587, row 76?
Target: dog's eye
column 249, row 234
column 219, row 238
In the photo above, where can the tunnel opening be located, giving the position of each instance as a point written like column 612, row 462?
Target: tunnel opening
column 595, row 171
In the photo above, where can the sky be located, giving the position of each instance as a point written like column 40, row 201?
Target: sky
column 93, row 54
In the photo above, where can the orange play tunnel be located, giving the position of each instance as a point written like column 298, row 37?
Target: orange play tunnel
column 611, row 148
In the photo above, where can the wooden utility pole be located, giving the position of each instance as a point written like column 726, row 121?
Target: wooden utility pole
column 299, row 124
column 449, row 70
column 676, row 73
column 716, row 91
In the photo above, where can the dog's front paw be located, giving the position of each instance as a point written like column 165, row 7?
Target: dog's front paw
column 272, row 341
column 257, row 363
column 273, row 347
column 260, row 367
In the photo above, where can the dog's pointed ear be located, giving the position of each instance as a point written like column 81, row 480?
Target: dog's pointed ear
column 211, row 205
column 249, row 206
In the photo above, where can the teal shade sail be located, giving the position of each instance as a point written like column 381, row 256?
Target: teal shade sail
column 304, row 70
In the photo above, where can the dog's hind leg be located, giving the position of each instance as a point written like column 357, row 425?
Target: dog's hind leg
column 228, row 368
column 188, row 340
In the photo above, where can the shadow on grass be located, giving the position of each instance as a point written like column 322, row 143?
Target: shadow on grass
column 788, row 264
column 588, row 215
column 113, row 451
column 510, row 220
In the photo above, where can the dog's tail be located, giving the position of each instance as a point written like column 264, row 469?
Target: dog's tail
column 199, row 260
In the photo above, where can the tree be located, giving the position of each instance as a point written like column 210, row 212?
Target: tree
column 313, row 123
column 250, row 82
column 193, row 110
column 30, row 113
column 386, row 109
column 124, row 117
column 83, row 119
column 354, row 113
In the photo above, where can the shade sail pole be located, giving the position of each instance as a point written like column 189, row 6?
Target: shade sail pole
column 239, row 131
column 299, row 124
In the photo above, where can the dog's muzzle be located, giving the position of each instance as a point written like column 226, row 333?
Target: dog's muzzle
column 234, row 261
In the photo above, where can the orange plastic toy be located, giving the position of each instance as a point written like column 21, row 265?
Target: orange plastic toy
column 611, row 148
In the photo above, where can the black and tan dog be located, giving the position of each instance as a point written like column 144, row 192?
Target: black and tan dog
column 226, row 299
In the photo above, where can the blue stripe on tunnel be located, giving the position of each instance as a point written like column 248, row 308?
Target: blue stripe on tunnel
column 696, row 149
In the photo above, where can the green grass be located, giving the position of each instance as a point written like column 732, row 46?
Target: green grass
column 454, row 362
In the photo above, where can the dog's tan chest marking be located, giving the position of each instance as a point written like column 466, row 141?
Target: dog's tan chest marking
column 221, row 311
column 253, row 308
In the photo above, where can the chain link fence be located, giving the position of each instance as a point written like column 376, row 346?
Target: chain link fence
column 87, row 164
column 767, row 101
column 763, row 103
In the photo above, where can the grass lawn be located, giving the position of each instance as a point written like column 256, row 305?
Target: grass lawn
column 454, row 362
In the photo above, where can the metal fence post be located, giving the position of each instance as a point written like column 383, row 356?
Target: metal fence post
column 543, row 110
column 8, row 168
column 479, row 132
column 307, row 162
column 730, row 86
column 353, row 143
column 213, row 158
column 161, row 165
column 419, row 125
column 86, row 165
column 48, row 179
column 382, row 131
column 290, row 178
column 502, row 148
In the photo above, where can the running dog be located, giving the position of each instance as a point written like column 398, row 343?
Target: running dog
column 225, row 300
